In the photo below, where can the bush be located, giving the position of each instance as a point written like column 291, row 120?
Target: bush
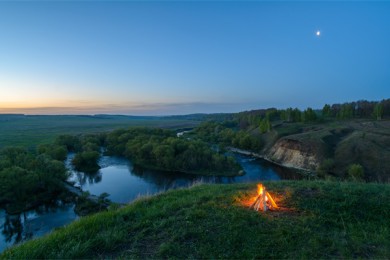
column 326, row 167
column 85, row 206
column 356, row 172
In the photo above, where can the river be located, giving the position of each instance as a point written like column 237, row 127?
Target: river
column 123, row 182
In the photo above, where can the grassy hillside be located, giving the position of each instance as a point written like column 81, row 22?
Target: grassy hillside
column 365, row 142
column 317, row 220
column 27, row 131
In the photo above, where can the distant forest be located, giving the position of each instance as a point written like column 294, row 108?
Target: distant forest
column 358, row 109
column 348, row 110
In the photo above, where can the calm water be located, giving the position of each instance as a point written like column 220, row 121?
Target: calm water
column 33, row 223
column 124, row 182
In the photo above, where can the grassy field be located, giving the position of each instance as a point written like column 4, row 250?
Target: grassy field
column 29, row 131
column 316, row 220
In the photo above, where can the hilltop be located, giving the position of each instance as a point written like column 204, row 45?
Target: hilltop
column 317, row 220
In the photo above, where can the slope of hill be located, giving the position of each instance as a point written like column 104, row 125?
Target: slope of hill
column 365, row 142
column 316, row 220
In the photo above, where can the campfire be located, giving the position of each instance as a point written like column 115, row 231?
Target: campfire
column 263, row 200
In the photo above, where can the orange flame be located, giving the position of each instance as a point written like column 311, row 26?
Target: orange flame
column 269, row 201
column 260, row 189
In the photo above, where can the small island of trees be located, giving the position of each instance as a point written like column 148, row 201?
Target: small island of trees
column 161, row 150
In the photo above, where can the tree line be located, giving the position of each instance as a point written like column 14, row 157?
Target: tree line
column 263, row 118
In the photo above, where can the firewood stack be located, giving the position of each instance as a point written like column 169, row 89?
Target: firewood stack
column 264, row 200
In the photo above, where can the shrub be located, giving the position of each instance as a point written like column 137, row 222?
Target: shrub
column 356, row 172
column 326, row 167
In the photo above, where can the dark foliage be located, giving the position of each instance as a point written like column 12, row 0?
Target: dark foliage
column 87, row 148
column 28, row 179
column 213, row 132
column 161, row 149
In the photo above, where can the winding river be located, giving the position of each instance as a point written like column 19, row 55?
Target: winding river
column 123, row 182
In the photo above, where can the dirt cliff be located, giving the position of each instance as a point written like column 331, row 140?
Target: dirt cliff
column 295, row 153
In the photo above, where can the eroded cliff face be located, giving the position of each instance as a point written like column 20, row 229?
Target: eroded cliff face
column 294, row 153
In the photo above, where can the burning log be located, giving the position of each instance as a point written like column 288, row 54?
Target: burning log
column 263, row 200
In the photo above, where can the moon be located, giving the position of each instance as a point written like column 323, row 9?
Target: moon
column 318, row 33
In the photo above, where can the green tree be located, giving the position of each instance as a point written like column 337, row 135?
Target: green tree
column 28, row 179
column 296, row 115
column 346, row 111
column 86, row 161
column 17, row 187
column 326, row 111
column 265, row 125
column 378, row 111
column 289, row 114
column 56, row 152
column 72, row 143
column 309, row 115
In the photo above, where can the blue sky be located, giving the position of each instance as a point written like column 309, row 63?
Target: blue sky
column 167, row 57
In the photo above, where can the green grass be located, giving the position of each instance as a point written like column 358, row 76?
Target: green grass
column 29, row 131
column 320, row 220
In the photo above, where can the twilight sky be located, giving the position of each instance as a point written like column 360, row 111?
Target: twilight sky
column 167, row 57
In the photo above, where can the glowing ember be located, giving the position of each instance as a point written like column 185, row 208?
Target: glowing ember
column 263, row 201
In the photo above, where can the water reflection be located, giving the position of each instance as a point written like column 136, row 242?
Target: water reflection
column 125, row 182
column 162, row 180
column 34, row 223
column 87, row 177
column 13, row 229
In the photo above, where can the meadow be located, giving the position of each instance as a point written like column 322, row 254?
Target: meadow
column 30, row 130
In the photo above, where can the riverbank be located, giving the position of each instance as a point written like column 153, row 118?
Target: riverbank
column 316, row 220
column 79, row 192
column 262, row 157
